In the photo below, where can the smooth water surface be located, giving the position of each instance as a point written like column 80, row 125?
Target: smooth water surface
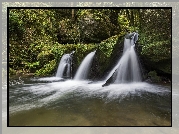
column 44, row 102
column 84, row 68
column 127, row 69
column 64, row 66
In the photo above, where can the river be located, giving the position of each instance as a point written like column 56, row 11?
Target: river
column 51, row 102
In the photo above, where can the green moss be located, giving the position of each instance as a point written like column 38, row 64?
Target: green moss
column 153, row 76
column 107, row 46
column 47, row 69
column 105, row 53
column 157, row 51
column 55, row 53
column 12, row 71
column 49, row 57
column 82, row 50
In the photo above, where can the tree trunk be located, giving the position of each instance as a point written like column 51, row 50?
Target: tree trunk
column 73, row 11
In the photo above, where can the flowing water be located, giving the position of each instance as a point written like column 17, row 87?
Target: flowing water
column 83, row 70
column 64, row 67
column 127, row 68
column 48, row 102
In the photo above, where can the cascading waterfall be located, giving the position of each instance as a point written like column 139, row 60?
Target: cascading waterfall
column 64, row 68
column 127, row 69
column 83, row 70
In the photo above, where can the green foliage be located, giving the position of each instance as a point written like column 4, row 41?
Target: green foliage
column 129, row 20
column 55, row 53
column 31, row 30
column 40, row 37
column 105, row 50
column 153, row 76
column 47, row 69
column 12, row 71
column 123, row 22
column 106, row 46
column 96, row 25
column 69, row 31
column 157, row 51
column 31, row 66
column 155, row 36
column 16, row 28
column 81, row 50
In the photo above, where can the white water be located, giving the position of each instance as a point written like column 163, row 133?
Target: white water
column 60, row 89
column 49, row 79
column 83, row 70
column 127, row 69
column 97, row 90
column 64, row 66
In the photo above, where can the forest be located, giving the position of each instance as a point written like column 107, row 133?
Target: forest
column 39, row 37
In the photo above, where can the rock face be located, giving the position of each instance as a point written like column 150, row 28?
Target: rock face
column 110, row 80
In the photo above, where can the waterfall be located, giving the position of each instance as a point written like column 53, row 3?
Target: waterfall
column 83, row 70
column 127, row 68
column 64, row 68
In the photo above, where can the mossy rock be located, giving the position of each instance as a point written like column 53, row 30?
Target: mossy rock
column 154, row 77
column 107, row 55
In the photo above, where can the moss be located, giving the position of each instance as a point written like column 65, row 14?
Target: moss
column 164, row 66
column 12, row 71
column 156, row 55
column 48, row 69
column 153, row 76
column 55, row 54
column 48, row 59
column 107, row 53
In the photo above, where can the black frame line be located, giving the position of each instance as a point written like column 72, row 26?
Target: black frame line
column 8, row 8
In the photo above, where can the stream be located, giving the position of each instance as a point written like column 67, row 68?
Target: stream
column 51, row 102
